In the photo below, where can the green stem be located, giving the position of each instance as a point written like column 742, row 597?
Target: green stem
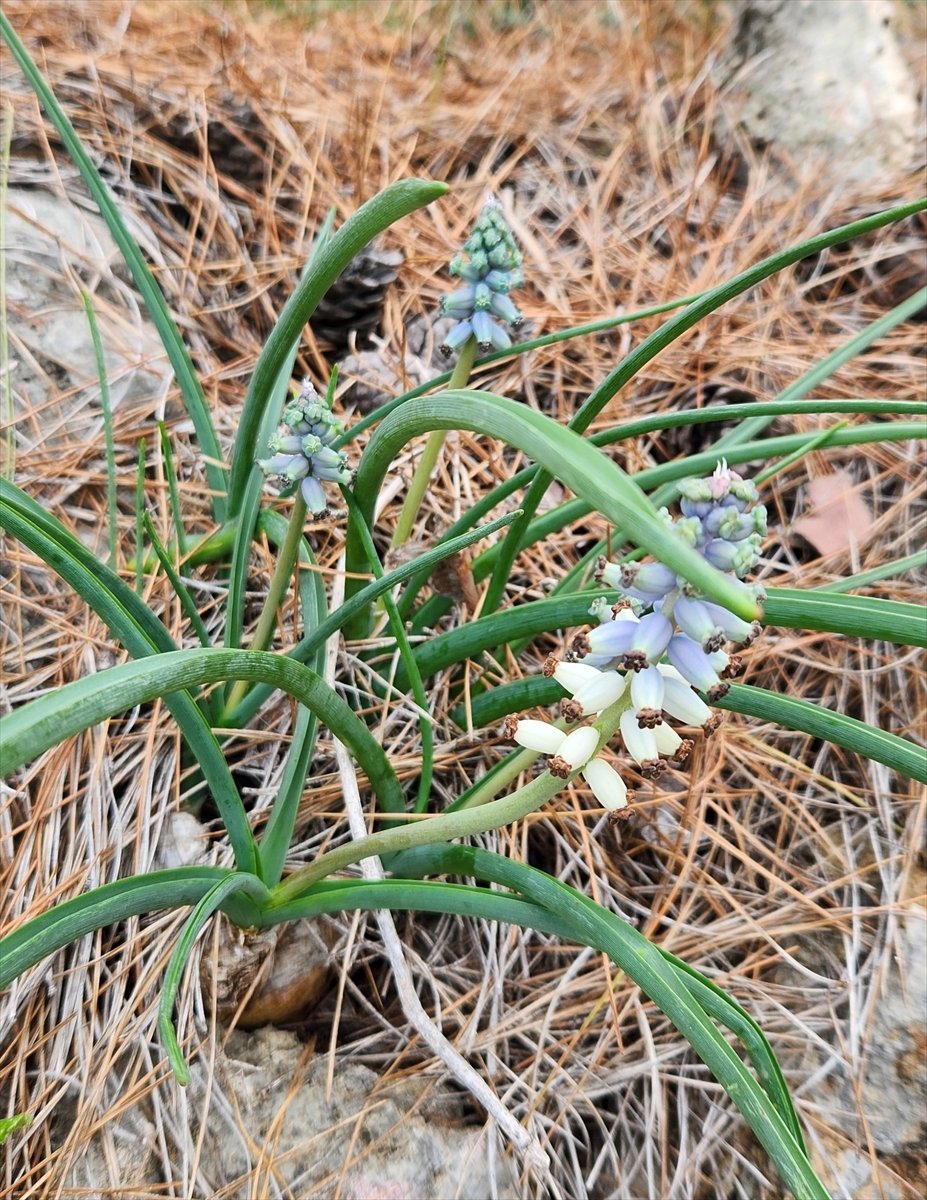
column 416, row 493
column 283, row 573
column 447, row 826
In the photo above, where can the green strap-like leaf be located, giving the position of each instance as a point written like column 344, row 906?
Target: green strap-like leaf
column 394, row 202
column 142, row 634
column 590, row 473
column 878, row 744
column 359, row 602
column 45, row 722
column 237, row 884
column 667, row 333
column 67, row 921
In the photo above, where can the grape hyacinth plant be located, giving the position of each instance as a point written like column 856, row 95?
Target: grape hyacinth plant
column 664, row 649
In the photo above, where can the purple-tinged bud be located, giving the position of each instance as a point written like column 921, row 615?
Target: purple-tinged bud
column 647, row 688
column 721, row 554
column 278, row 464
column 500, row 281
column 313, row 495
column 681, row 702
column 500, row 339
column 654, row 577
column 613, row 638
column 744, row 490
column 695, row 619
column 651, row 636
column 741, row 633
column 692, row 662
column 691, row 530
column 458, row 304
column 286, row 444
column 482, row 328
column 456, row 337
column 503, row 307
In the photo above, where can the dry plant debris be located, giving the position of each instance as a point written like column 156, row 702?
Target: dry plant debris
column 778, row 866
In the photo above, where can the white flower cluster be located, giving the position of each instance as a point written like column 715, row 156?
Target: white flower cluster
column 620, row 664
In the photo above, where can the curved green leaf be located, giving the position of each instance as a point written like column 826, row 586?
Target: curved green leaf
column 394, row 202
column 142, row 634
column 45, row 722
column 218, row 895
column 857, row 616
column 702, row 464
column 359, row 602
column 67, row 921
column 667, row 333
column 878, row 744
column 582, row 467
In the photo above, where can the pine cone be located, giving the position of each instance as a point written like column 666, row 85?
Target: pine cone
column 355, row 300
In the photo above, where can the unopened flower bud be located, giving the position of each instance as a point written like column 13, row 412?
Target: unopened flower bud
column 539, row 736
column 607, row 785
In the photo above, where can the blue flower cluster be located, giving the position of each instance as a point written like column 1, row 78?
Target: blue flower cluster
column 304, row 454
column 721, row 520
column 491, row 270
column 622, row 661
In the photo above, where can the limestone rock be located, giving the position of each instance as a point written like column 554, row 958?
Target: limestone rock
column 819, row 78
column 54, row 248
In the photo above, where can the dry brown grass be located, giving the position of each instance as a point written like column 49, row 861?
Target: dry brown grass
column 776, row 865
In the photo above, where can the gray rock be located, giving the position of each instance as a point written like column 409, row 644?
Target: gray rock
column 821, row 78
column 393, row 1144
column 885, row 1101
column 54, row 248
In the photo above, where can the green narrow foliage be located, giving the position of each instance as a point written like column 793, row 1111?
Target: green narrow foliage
column 658, row 341
column 112, row 531
column 405, row 650
column 69, row 920
column 592, row 475
column 898, row 753
column 495, row 868
column 701, row 464
column 253, row 490
column 394, row 202
column 140, row 519
column 359, row 603
column 218, row 894
column 193, row 396
column 167, row 459
column 181, row 591
column 46, row 721
column 141, row 633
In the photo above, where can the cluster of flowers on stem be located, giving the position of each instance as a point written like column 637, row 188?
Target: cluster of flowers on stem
column 304, row 454
column 657, row 647
column 490, row 271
